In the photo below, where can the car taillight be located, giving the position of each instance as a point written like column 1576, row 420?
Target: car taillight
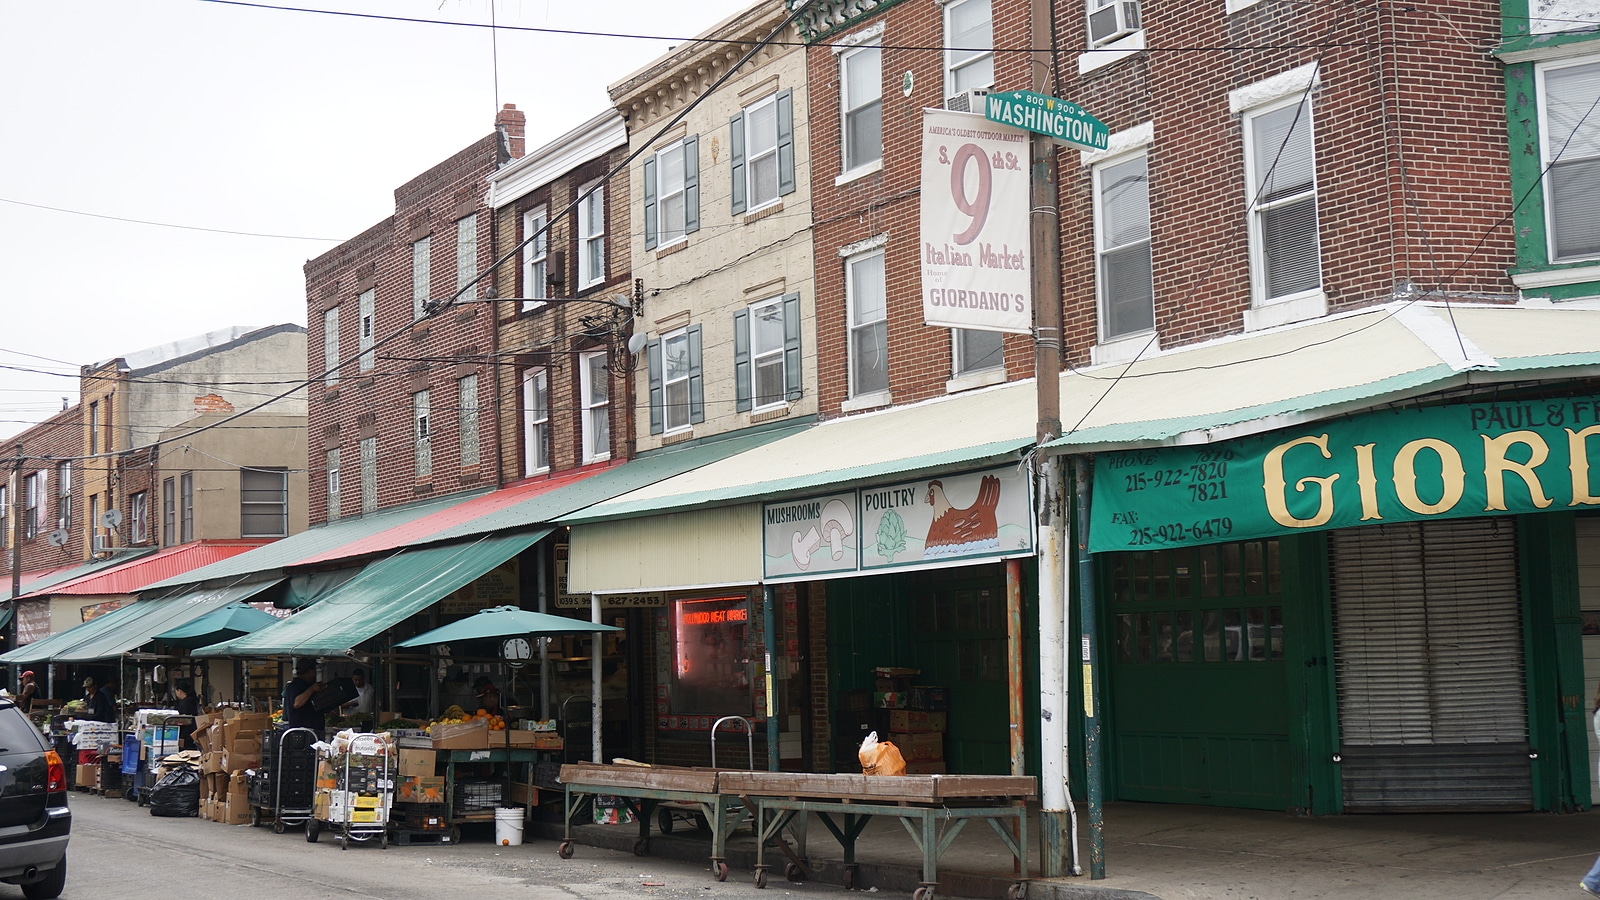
column 57, row 778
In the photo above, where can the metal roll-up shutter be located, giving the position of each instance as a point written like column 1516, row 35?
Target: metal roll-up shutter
column 1428, row 662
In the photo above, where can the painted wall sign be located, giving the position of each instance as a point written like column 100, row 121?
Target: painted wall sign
column 1393, row 466
column 908, row 525
column 497, row 587
column 643, row 600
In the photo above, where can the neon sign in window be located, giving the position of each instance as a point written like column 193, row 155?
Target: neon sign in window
column 712, row 658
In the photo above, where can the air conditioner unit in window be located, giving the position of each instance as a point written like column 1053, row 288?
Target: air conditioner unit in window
column 1112, row 20
column 967, row 101
column 102, row 543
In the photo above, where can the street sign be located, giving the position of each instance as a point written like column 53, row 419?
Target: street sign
column 1052, row 117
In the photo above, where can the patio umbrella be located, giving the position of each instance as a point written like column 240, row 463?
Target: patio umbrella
column 504, row 621
column 222, row 624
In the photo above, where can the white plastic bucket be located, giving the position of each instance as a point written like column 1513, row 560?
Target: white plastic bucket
column 508, row 827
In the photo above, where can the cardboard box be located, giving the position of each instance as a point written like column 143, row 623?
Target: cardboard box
column 88, row 776
column 927, row 746
column 236, row 810
column 916, row 721
column 244, row 724
column 421, row 789
column 925, row 768
column 235, row 761
column 413, row 762
column 890, row 699
column 363, row 816
column 465, row 736
column 208, row 739
column 211, row 762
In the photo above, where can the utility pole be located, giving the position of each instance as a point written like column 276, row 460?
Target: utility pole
column 14, row 525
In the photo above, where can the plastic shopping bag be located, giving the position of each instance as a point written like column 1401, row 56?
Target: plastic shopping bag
column 880, row 757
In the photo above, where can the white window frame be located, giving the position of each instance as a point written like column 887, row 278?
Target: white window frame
column 849, row 106
column 665, row 164
column 369, row 473
column 467, row 431
column 185, row 507
column 1258, row 209
column 33, row 504
column 773, row 356
column 421, row 275
column 64, row 494
column 668, row 407
column 169, row 511
column 855, row 328
column 953, row 65
column 368, row 310
column 335, row 501
column 138, row 517
column 330, row 345
column 596, row 400
column 467, row 252
column 1102, row 249
column 752, row 155
column 535, row 258
column 422, row 433
column 1120, row 46
column 1571, row 156
column 250, row 502
column 592, row 235
column 536, row 421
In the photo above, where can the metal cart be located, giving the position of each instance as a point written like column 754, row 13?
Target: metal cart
column 363, row 794
column 284, row 793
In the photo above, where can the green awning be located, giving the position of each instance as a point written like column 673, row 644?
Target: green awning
column 61, row 641
column 227, row 623
column 385, row 593
column 148, row 618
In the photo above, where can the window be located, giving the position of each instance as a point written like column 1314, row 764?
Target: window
column 592, row 236
column 64, row 495
column 138, row 518
column 869, row 327
column 977, row 350
column 1111, row 19
column 422, row 434
column 185, row 507
column 421, row 276
column 1568, row 96
column 334, row 499
column 467, row 416
column 94, row 518
column 466, row 252
column 33, row 504
column 535, row 259
column 1122, row 248
column 672, row 193
column 369, row 474
column 5, row 517
column 969, row 35
column 169, row 512
column 263, row 502
column 1283, row 201
column 861, row 99
column 596, row 387
column 535, row 421
column 368, row 310
column 761, row 151
column 677, row 398
column 330, row 346
column 766, row 353
column 94, row 427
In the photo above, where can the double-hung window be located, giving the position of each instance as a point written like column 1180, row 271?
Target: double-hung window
column 369, row 473
column 761, row 152
column 672, row 193
column 33, row 504
column 334, row 498
column 969, row 39
column 595, row 384
column 185, row 507
column 1122, row 247
column 467, row 419
column 263, row 502
column 421, row 276
column 1570, row 124
column 535, row 259
column 467, row 252
column 169, row 512
column 535, row 421
column 64, row 495
column 861, row 102
column 677, row 400
column 592, row 236
column 138, row 517
column 866, row 298
column 1281, row 166
column 367, row 304
column 330, row 346
column 422, row 433
column 766, row 353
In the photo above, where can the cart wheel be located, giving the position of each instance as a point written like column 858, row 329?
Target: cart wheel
column 313, row 830
column 1018, row 891
column 793, row 872
column 344, row 844
column 641, row 847
column 761, row 878
column 455, row 837
column 720, row 871
column 278, row 827
column 922, row 893
column 255, row 817
column 664, row 820
column 383, row 840
column 850, row 878
column 565, row 850
column 700, row 822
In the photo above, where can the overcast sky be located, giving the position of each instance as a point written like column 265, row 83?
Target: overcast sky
column 248, row 119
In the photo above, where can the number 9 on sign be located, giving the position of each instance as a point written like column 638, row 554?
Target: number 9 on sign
column 975, row 207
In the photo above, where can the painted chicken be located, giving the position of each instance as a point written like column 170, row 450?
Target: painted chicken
column 963, row 530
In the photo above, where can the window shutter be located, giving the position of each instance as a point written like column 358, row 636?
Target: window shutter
column 691, row 184
column 741, row 360
column 697, row 397
column 649, row 202
column 736, row 158
column 794, row 379
column 658, row 395
column 785, row 104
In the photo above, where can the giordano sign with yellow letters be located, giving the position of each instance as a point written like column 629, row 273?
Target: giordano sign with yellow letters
column 1446, row 462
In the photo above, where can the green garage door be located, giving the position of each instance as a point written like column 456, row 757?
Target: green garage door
column 1199, row 706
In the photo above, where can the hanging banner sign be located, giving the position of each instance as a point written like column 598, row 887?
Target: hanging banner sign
column 975, row 254
column 916, row 524
column 1446, row 462
column 499, row 586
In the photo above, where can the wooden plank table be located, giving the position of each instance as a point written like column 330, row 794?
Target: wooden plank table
column 642, row 789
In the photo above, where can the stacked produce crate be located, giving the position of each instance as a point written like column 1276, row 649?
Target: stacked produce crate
column 917, row 718
column 231, row 745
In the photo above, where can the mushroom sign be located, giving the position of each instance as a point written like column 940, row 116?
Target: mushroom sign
column 811, row 536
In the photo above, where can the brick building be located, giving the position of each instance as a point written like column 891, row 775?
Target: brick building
column 39, row 497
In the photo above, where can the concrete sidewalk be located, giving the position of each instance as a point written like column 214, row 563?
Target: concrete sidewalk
column 1184, row 852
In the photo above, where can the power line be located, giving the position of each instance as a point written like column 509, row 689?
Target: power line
column 79, row 212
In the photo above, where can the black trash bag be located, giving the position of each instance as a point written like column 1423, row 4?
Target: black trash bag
column 177, row 795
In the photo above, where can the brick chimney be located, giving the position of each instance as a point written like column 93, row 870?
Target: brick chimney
column 512, row 124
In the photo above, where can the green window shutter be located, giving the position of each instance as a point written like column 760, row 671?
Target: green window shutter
column 649, row 202
column 793, row 379
column 691, row 184
column 785, row 104
column 658, row 395
column 736, row 159
column 741, row 360
column 697, row 381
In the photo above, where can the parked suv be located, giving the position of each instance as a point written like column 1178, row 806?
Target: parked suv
column 34, row 818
